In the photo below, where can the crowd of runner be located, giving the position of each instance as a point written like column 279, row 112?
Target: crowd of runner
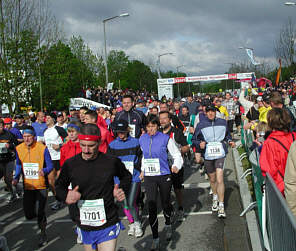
column 138, row 147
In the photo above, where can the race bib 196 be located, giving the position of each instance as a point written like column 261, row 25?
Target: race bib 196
column 92, row 212
column 129, row 165
column 31, row 171
column 215, row 149
column 151, row 167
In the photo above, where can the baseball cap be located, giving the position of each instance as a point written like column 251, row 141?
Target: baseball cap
column 183, row 99
column 211, row 107
column 150, row 106
column 53, row 115
column 59, row 114
column 7, row 121
column 120, row 126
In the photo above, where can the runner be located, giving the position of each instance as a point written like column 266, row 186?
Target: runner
column 8, row 142
column 128, row 150
column 212, row 135
column 53, row 138
column 176, row 122
column 20, row 124
column 91, row 175
column 39, row 126
column 34, row 163
column 16, row 132
column 180, row 139
column 136, row 119
column 157, row 175
column 61, row 121
column 230, row 107
column 91, row 117
column 81, row 113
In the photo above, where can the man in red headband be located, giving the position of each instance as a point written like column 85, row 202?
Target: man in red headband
column 91, row 176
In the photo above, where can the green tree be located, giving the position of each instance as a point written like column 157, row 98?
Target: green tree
column 117, row 65
column 138, row 76
column 60, row 77
column 93, row 65
column 19, row 72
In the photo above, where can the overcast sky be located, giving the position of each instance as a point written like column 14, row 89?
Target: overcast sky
column 203, row 35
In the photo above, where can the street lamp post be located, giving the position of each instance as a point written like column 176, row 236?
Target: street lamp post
column 168, row 53
column 290, row 3
column 178, row 76
column 105, row 46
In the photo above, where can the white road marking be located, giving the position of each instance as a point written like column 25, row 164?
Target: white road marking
column 197, row 185
column 187, row 214
column 122, row 218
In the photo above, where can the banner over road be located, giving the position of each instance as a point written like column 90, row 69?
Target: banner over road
column 205, row 78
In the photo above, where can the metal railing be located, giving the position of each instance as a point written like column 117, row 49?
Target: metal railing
column 281, row 224
column 277, row 223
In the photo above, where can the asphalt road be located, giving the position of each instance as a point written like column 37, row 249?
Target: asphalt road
column 201, row 230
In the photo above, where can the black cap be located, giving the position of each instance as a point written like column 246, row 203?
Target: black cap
column 59, row 114
column 19, row 116
column 53, row 115
column 120, row 126
column 211, row 107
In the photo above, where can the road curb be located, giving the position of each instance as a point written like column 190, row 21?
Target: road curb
column 252, row 223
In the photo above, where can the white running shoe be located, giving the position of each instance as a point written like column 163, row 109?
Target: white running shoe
column 221, row 212
column 79, row 235
column 215, row 206
column 138, row 229
column 131, row 230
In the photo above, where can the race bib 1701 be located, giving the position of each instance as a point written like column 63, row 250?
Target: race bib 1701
column 92, row 212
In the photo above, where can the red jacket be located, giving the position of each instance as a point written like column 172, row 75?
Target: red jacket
column 273, row 156
column 105, row 140
column 69, row 150
column 101, row 122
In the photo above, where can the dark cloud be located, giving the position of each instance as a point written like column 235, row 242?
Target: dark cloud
column 203, row 35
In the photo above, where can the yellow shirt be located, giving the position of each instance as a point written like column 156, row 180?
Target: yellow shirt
column 223, row 110
column 263, row 113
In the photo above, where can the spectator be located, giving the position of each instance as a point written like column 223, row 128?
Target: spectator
column 290, row 179
column 275, row 149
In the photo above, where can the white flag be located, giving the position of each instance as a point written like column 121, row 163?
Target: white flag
column 251, row 56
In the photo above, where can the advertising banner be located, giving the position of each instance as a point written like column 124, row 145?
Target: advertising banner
column 79, row 102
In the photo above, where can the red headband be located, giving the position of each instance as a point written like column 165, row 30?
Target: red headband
column 89, row 137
